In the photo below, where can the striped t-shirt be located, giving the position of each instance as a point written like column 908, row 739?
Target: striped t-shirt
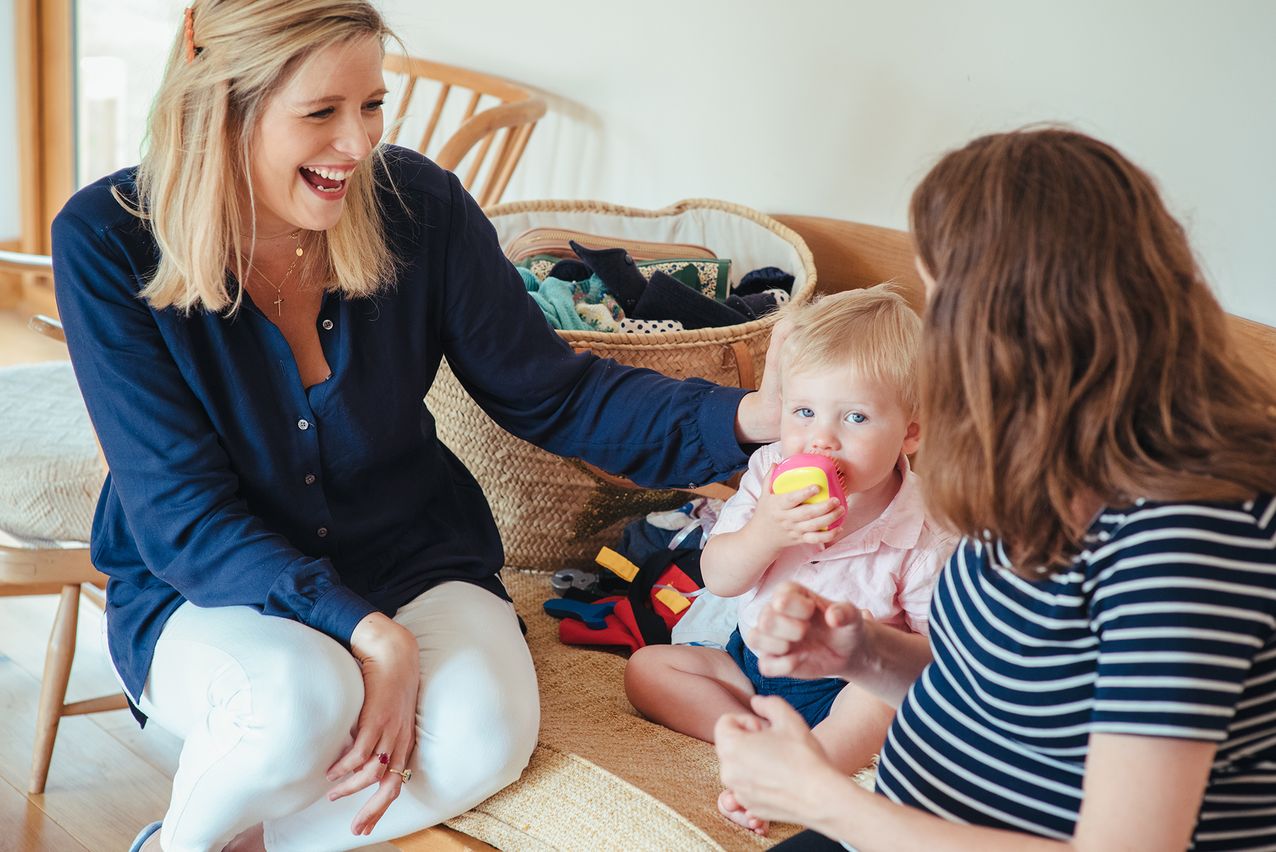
column 1165, row 626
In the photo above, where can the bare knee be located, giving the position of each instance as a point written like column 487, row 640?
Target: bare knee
column 646, row 677
column 855, row 729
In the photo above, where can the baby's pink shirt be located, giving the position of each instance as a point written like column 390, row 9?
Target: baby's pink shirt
column 888, row 567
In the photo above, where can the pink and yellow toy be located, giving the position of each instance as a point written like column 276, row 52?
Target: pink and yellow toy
column 798, row 471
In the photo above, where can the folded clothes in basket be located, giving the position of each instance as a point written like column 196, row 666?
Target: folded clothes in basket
column 574, row 305
column 666, row 291
column 666, row 298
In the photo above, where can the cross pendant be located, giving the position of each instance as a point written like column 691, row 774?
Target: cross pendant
column 279, row 306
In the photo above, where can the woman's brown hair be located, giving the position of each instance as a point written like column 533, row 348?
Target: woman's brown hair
column 1072, row 351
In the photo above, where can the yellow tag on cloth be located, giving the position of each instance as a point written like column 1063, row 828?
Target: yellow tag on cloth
column 617, row 564
column 673, row 599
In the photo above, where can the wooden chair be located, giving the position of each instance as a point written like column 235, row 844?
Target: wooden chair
column 38, row 560
column 509, row 111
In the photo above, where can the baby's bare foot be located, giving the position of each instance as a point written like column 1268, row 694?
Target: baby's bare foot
column 734, row 811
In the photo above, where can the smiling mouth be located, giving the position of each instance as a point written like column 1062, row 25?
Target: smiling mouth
column 324, row 180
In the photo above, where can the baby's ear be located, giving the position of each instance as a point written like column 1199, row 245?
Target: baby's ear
column 912, row 437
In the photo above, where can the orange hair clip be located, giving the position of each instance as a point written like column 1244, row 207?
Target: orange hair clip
column 188, row 33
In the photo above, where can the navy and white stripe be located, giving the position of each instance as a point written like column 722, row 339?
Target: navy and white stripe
column 1165, row 626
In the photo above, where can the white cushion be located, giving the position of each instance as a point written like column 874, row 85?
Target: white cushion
column 50, row 473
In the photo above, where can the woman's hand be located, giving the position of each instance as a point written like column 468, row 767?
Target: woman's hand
column 386, row 731
column 773, row 765
column 801, row 634
column 757, row 421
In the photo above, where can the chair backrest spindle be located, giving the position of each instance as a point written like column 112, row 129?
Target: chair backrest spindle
column 477, row 163
column 470, row 108
column 502, row 179
column 402, row 110
column 473, row 139
column 434, row 116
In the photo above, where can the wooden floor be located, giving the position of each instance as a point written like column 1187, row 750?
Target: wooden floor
column 108, row 777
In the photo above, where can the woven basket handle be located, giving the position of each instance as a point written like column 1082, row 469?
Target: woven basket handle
column 743, row 365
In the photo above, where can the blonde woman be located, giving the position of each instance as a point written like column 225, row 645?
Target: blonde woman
column 1102, row 665
column 303, row 578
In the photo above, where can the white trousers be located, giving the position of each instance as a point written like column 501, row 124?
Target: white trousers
column 265, row 705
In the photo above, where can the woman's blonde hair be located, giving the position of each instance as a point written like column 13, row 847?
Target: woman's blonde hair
column 1072, row 350
column 872, row 331
column 197, row 151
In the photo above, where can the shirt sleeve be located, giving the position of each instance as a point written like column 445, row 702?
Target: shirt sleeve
column 655, row 430
column 180, row 497
column 1181, row 607
column 916, row 584
column 737, row 511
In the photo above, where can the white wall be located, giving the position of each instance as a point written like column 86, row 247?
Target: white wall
column 838, row 107
column 10, row 227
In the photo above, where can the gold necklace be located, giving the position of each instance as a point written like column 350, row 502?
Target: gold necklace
column 279, row 288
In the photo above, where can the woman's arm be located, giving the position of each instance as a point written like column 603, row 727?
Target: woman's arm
column 389, row 660
column 757, row 420
column 637, row 423
column 801, row 634
column 1140, row 793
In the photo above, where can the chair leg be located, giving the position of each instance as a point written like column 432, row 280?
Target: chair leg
column 57, row 671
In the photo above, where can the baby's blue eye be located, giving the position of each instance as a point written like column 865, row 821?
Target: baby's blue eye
column 804, row 413
column 856, row 417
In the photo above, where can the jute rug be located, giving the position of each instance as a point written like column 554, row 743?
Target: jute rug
column 602, row 777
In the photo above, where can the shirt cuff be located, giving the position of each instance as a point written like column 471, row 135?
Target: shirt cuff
column 716, row 421
column 338, row 612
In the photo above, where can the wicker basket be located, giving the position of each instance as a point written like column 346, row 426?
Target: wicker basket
column 554, row 512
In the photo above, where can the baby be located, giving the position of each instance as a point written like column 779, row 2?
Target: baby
column 848, row 392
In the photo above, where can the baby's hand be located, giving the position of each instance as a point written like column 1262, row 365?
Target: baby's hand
column 784, row 520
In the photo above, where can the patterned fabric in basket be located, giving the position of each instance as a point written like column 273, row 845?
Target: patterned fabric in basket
column 714, row 275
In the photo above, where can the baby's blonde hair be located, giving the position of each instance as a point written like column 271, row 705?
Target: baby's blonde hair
column 197, row 152
column 872, row 331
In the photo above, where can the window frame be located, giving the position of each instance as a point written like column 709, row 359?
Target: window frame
column 44, row 36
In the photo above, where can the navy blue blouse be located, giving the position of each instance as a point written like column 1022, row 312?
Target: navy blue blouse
column 232, row 484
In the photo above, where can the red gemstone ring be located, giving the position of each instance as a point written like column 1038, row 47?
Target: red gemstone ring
column 383, row 758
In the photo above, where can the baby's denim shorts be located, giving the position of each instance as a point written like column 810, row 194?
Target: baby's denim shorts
column 813, row 699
